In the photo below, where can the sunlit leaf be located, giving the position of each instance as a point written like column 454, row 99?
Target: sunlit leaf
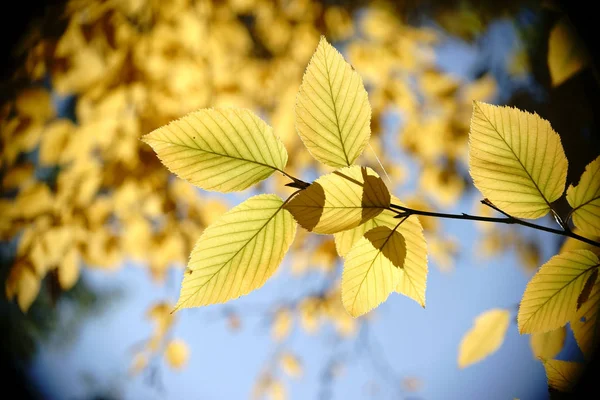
column 219, row 149
column 516, row 160
column 238, row 253
column 413, row 276
column 566, row 55
column 340, row 200
column 332, row 111
column 372, row 269
column 23, row 284
column 68, row 269
column 584, row 324
column 484, row 338
column 585, row 199
column 547, row 345
column 562, row 375
column 550, row 299
column 177, row 353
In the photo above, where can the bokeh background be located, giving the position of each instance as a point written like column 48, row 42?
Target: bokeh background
column 96, row 233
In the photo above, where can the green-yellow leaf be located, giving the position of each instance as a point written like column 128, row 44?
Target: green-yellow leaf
column 484, row 338
column 566, row 56
column 584, row 324
column 238, row 253
column 585, row 199
column 223, row 150
column 548, row 344
column 516, row 160
column 372, row 269
column 413, row 276
column 550, row 299
column 333, row 114
column 562, row 375
column 340, row 200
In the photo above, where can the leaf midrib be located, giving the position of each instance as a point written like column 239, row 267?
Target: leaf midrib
column 235, row 255
column 215, row 153
column 513, row 153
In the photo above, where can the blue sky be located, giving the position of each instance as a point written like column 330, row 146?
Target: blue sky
column 407, row 341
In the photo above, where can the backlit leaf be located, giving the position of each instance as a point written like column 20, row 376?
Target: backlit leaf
column 291, row 365
column 341, row 200
column 585, row 199
column 566, row 56
column 584, row 324
column 547, row 345
column 372, row 269
column 550, row 299
column 238, row 253
column 484, row 338
column 413, row 277
column 219, row 149
column 282, row 324
column 516, row 160
column 562, row 375
column 333, row 114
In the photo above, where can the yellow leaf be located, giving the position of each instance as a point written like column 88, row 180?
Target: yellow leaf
column 277, row 391
column 177, row 353
column 547, row 345
column 24, row 284
column 341, row 200
column 584, row 324
column 571, row 244
column 566, row 56
column 68, row 269
column 516, row 160
column 585, row 199
column 413, row 277
column 550, row 299
column 238, row 253
column 372, row 269
column 219, row 149
column 140, row 361
column 332, row 110
column 54, row 141
column 282, row 324
column 562, row 375
column 484, row 338
column 35, row 102
column 291, row 365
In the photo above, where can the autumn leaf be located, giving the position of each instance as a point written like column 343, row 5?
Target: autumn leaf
column 484, row 338
column 547, row 345
column 332, row 110
column 566, row 56
column 562, row 375
column 585, row 324
column 516, row 160
column 238, row 253
column 550, row 298
column 372, row 269
column 585, row 199
column 413, row 276
column 340, row 200
column 219, row 149
column 291, row 365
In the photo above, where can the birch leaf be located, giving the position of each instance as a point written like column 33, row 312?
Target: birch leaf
column 585, row 199
column 333, row 114
column 341, row 200
column 550, row 298
column 562, row 375
column 238, row 253
column 584, row 324
column 516, row 160
column 372, row 269
column 484, row 338
column 547, row 345
column 223, row 150
column 413, row 276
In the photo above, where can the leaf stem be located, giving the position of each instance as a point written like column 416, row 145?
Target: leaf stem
column 405, row 211
column 297, row 183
